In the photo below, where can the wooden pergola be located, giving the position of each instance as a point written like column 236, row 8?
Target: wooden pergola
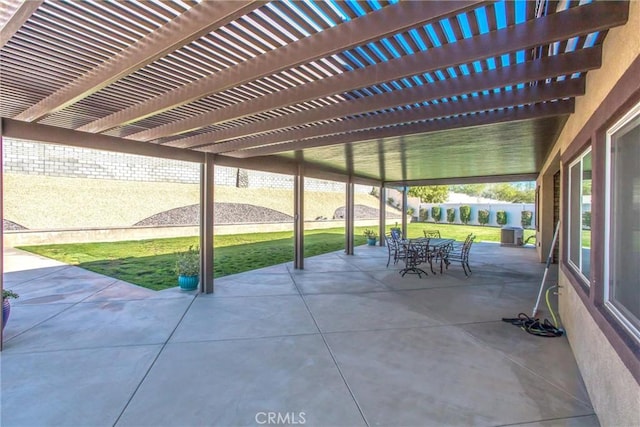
column 383, row 93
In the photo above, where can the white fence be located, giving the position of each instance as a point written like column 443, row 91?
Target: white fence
column 513, row 211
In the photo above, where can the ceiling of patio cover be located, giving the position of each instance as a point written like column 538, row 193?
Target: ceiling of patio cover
column 393, row 91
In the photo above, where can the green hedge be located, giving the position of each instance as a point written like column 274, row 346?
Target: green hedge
column 526, row 218
column 483, row 217
column 501, row 217
column 465, row 214
column 451, row 215
column 423, row 215
column 436, row 213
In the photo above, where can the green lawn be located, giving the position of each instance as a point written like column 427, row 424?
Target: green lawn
column 150, row 263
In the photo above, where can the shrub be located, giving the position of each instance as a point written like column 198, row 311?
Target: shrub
column 411, row 211
column 390, row 201
column 586, row 220
column 465, row 214
column 374, row 192
column 451, row 215
column 526, row 218
column 423, row 215
column 188, row 263
column 501, row 217
column 370, row 234
column 483, row 217
column 436, row 213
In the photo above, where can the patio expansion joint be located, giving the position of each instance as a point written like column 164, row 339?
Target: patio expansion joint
column 153, row 362
column 548, row 420
column 333, row 357
column 70, row 305
column 44, row 275
column 240, row 339
column 509, row 357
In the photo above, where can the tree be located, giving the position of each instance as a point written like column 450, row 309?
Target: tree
column 501, row 217
column 465, row 214
column 526, row 218
column 509, row 192
column 483, row 217
column 430, row 194
column 436, row 213
column 423, row 215
column 451, row 215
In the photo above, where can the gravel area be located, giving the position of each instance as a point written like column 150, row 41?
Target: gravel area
column 10, row 225
column 363, row 212
column 224, row 213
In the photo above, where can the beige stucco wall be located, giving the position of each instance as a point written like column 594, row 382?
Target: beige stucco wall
column 614, row 392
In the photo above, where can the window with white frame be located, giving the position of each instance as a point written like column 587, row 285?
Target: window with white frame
column 622, row 226
column 579, row 218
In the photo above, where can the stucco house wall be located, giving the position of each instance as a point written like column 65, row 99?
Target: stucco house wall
column 607, row 364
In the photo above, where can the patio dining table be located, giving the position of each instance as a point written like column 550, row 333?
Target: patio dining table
column 418, row 251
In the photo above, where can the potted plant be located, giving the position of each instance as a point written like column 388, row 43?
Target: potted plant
column 371, row 237
column 188, row 268
column 7, row 294
column 396, row 232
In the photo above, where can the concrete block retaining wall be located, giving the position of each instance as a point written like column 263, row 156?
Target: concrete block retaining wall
column 115, row 234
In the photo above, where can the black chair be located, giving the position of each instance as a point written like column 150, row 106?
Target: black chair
column 459, row 253
column 416, row 253
column 431, row 234
column 394, row 248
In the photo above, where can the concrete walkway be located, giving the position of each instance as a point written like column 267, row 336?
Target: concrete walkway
column 345, row 342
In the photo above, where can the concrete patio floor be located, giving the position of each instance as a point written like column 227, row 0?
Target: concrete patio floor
column 345, row 342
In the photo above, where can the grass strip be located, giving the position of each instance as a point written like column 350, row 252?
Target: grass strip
column 150, row 263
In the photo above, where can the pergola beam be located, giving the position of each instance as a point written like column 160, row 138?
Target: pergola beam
column 17, row 19
column 531, row 112
column 373, row 26
column 465, row 180
column 196, row 22
column 558, row 26
column 56, row 135
column 525, row 96
column 567, row 64
column 548, row 67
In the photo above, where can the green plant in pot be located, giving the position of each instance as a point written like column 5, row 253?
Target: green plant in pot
column 7, row 294
column 371, row 236
column 396, row 232
column 188, row 268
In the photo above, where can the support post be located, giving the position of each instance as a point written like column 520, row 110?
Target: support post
column 206, row 224
column 382, row 228
column 298, row 219
column 349, row 218
column 405, row 197
column 1, row 239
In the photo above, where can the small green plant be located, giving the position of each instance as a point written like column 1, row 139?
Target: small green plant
column 188, row 263
column 423, row 215
column 451, row 215
column 483, row 217
column 9, row 294
column 465, row 214
column 370, row 234
column 586, row 220
column 391, row 201
column 436, row 213
column 411, row 211
column 501, row 217
column 374, row 192
column 525, row 218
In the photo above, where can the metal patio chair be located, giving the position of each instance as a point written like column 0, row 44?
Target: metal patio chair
column 459, row 253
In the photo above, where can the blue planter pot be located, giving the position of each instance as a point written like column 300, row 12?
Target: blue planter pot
column 371, row 242
column 188, row 283
column 6, row 310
